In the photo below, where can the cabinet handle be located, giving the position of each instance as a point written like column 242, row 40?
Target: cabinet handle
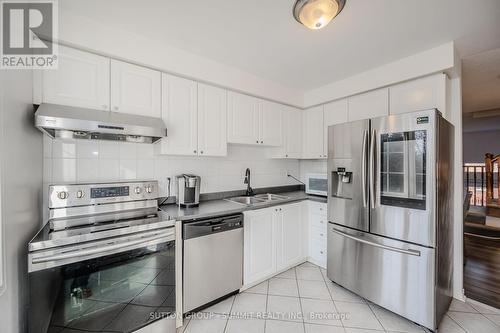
column 257, row 141
column 286, row 155
column 194, row 151
column 201, row 151
column 321, row 252
column 321, row 235
column 262, row 142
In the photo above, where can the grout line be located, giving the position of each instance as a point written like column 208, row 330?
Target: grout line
column 331, row 297
column 229, row 314
column 458, row 324
column 300, row 299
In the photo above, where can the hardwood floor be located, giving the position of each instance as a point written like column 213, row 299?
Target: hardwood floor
column 482, row 270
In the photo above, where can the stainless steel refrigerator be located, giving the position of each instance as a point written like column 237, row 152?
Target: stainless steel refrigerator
column 390, row 212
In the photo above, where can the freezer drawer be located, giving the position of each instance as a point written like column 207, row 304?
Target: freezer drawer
column 395, row 275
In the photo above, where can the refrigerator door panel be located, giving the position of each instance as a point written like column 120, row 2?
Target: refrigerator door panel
column 395, row 275
column 403, row 177
column 347, row 174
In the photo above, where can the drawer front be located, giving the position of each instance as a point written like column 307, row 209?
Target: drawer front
column 318, row 250
column 317, row 208
column 319, row 221
column 318, row 233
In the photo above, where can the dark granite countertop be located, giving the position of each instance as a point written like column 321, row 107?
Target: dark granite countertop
column 217, row 207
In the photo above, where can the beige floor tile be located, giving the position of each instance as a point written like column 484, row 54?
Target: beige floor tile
column 284, row 308
column 240, row 325
column 289, row 274
column 358, row 315
column 447, row 325
column 341, row 294
column 261, row 288
column 313, row 289
column 474, row 322
column 309, row 273
column 223, row 307
column 277, row 326
column 393, row 322
column 249, row 305
column 315, row 328
column 460, row 306
column 318, row 311
column 210, row 324
column 283, row 287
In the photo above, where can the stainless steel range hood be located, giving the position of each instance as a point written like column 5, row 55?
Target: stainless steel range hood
column 60, row 121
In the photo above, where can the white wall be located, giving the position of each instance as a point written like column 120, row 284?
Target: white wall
column 21, row 182
column 477, row 144
column 89, row 161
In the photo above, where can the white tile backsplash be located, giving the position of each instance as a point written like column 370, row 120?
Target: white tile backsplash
column 312, row 166
column 101, row 161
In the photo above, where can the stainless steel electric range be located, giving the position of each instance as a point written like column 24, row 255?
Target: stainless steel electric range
column 104, row 261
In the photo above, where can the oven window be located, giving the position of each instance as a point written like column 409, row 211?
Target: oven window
column 403, row 169
column 116, row 293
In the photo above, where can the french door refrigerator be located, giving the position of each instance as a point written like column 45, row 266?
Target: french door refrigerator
column 390, row 188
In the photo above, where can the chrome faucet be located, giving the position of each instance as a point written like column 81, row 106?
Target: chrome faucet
column 247, row 181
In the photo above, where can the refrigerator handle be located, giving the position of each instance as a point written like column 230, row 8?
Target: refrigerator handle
column 373, row 175
column 364, row 170
column 382, row 246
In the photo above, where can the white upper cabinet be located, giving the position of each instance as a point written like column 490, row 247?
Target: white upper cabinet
column 242, row 118
column 334, row 113
column 369, row 105
column 313, row 133
column 212, row 118
column 292, row 133
column 253, row 121
column 135, row 89
column 179, row 112
column 421, row 94
column 82, row 80
column 271, row 127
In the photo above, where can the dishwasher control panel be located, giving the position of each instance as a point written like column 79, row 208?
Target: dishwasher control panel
column 199, row 228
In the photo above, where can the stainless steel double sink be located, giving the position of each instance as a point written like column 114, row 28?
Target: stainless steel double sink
column 258, row 199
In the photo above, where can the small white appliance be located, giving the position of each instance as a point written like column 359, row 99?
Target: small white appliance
column 317, row 184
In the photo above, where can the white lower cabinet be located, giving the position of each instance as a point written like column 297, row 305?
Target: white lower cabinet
column 318, row 226
column 273, row 241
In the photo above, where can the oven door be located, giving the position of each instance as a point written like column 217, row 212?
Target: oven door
column 402, row 172
column 114, row 285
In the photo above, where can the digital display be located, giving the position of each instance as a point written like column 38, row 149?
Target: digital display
column 108, row 192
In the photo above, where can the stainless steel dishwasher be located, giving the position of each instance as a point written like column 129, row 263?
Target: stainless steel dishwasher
column 213, row 260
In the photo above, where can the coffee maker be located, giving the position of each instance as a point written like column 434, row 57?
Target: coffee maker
column 188, row 190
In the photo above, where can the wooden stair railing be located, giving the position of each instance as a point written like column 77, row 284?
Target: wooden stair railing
column 492, row 202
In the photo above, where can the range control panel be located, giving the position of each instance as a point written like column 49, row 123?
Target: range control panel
column 92, row 194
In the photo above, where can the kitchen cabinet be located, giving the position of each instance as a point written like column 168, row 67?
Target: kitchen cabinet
column 289, row 232
column 253, row 121
column 81, row 80
column 421, row 94
column 135, row 89
column 333, row 113
column 313, row 136
column 259, row 245
column 180, row 114
column 318, row 224
column 195, row 116
column 242, row 118
column 273, row 241
column 212, row 121
column 292, row 134
column 369, row 105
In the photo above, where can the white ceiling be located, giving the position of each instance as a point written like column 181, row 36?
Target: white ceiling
column 262, row 38
column 481, row 81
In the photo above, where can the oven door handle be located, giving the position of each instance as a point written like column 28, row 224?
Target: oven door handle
column 382, row 246
column 100, row 250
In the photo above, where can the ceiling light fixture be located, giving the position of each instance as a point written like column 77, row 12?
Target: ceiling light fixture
column 316, row 14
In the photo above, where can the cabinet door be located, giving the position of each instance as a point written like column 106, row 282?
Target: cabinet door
column 313, row 133
column 292, row 119
column 290, row 236
column 82, row 80
column 179, row 112
column 242, row 119
column 135, row 89
column 369, row 105
column 212, row 120
column 333, row 113
column 271, row 128
column 259, row 245
column 421, row 94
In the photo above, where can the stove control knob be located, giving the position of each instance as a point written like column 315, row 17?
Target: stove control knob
column 80, row 194
column 137, row 190
column 62, row 195
column 149, row 189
